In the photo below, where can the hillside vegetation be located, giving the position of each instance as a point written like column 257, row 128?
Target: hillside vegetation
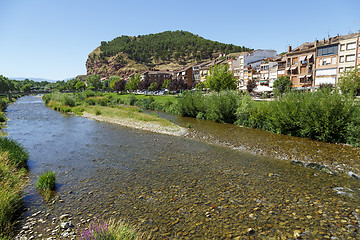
column 167, row 50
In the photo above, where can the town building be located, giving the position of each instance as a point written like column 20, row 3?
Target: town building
column 251, row 57
column 348, row 52
column 326, row 62
column 300, row 65
column 185, row 74
column 156, row 75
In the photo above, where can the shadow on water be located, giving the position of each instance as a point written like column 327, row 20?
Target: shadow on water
column 176, row 187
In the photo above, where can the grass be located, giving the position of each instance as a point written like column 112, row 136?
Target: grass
column 46, row 184
column 111, row 230
column 110, row 107
column 127, row 112
column 12, row 181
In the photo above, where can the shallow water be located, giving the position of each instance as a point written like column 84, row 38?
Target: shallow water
column 176, row 187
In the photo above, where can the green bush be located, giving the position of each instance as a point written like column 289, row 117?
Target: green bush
column 191, row 103
column 131, row 100
column 97, row 112
column 2, row 117
column 323, row 115
column 18, row 155
column 221, row 107
column 46, row 182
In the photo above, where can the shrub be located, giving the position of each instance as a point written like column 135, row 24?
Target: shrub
column 2, row 117
column 191, row 103
column 67, row 100
column 130, row 100
column 221, row 107
column 97, row 112
column 18, row 156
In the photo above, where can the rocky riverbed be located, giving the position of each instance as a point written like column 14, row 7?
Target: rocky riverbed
column 180, row 187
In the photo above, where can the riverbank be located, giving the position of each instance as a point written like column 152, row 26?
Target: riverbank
column 128, row 116
column 133, row 119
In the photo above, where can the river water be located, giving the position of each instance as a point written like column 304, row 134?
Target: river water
column 183, row 187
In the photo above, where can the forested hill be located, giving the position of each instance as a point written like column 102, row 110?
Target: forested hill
column 166, row 50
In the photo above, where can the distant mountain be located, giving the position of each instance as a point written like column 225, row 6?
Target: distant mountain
column 167, row 50
column 34, row 79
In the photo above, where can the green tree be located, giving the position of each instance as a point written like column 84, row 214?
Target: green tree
column 282, row 85
column 4, row 84
column 166, row 83
column 220, row 78
column 113, row 80
column 133, row 82
column 349, row 82
column 93, row 82
column 80, row 86
column 200, row 86
column 153, row 86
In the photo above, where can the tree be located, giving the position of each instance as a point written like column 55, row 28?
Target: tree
column 93, row 82
column 4, row 84
column 119, row 85
column 177, row 84
column 153, row 86
column 112, row 81
column 166, row 83
column 282, row 85
column 200, row 86
column 80, row 86
column 251, row 85
column 133, row 82
column 349, row 82
column 220, row 78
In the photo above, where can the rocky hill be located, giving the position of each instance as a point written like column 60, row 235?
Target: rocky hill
column 167, row 50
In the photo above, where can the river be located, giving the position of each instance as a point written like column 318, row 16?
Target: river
column 220, row 182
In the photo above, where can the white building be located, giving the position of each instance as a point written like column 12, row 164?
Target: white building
column 253, row 57
column 348, row 53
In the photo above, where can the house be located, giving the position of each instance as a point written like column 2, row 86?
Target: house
column 300, row 65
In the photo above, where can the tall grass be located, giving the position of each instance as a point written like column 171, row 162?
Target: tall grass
column 109, row 231
column 13, row 159
column 18, row 155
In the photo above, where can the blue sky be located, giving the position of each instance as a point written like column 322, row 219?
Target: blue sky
column 52, row 38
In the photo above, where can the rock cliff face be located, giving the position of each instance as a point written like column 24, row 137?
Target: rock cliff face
column 109, row 66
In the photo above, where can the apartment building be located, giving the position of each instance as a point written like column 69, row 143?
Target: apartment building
column 251, row 57
column 300, row 65
column 185, row 74
column 155, row 75
column 268, row 70
column 348, row 52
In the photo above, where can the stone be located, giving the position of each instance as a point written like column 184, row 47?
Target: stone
column 62, row 217
column 297, row 234
column 66, row 225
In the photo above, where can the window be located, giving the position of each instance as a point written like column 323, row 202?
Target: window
column 333, row 60
column 350, row 58
column 348, row 68
column 342, row 47
column 351, row 46
column 328, row 50
column 358, row 55
column 341, row 59
column 341, row 70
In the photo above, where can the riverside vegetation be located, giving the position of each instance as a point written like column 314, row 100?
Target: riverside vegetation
column 13, row 160
column 324, row 115
column 107, row 107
